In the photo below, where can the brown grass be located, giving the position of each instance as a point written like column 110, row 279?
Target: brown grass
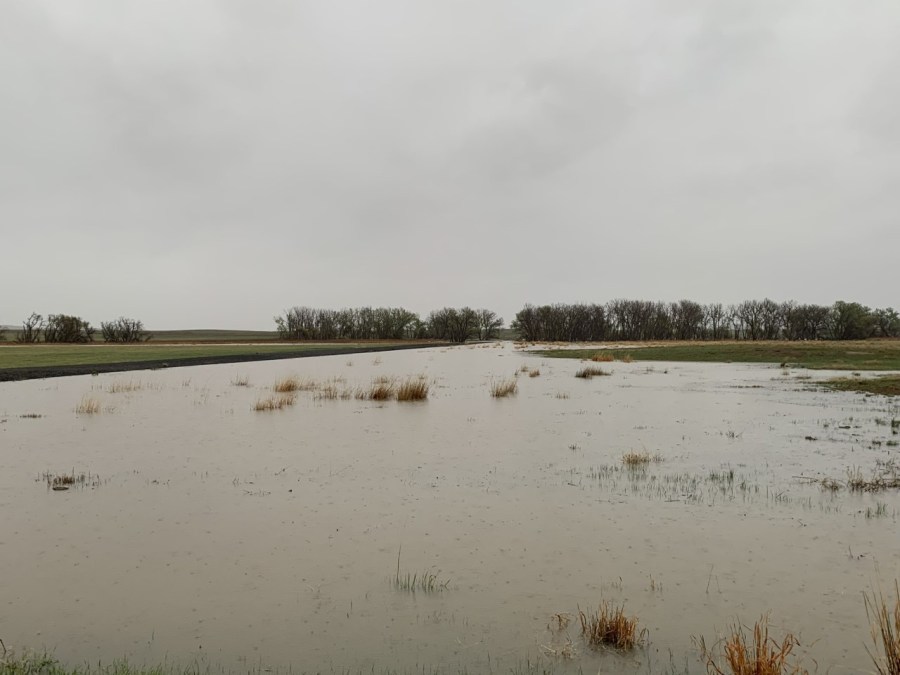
column 603, row 357
column 240, row 381
column 885, row 627
column 636, row 459
column 588, row 372
column 124, row 387
column 534, row 372
column 755, row 654
column 381, row 389
column 413, row 389
column 88, row 406
column 287, row 385
column 274, row 402
column 609, row 626
column 504, row 388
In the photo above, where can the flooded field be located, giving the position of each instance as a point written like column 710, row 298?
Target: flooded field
column 195, row 526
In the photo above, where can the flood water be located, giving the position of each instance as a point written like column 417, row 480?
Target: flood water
column 207, row 530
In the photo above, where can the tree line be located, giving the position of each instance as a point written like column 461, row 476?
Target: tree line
column 66, row 328
column 387, row 323
column 689, row 320
column 615, row 320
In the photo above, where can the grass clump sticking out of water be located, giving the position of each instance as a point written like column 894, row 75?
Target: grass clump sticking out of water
column 603, row 357
column 609, row 626
column 425, row 582
column 885, row 627
column 240, row 381
column 753, row 654
column 63, row 481
column 288, row 385
column 125, row 386
column 274, row 402
column 635, row 460
column 381, row 389
column 88, row 406
column 504, row 388
column 588, row 372
column 413, row 389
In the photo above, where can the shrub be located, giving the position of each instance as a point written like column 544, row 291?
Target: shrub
column 124, row 330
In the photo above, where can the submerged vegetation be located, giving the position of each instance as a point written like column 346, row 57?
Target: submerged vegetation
column 885, row 627
column 504, row 388
column 745, row 651
column 88, row 405
column 609, row 626
column 588, row 372
column 885, row 385
column 413, row 389
column 427, row 581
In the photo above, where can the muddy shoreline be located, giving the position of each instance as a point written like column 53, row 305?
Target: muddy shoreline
column 42, row 372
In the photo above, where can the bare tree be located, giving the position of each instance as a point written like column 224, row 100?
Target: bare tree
column 31, row 329
column 488, row 324
column 124, row 330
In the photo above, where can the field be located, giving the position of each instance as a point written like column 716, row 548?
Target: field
column 305, row 516
column 825, row 355
column 44, row 359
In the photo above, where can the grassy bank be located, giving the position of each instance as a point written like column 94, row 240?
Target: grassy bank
column 886, row 385
column 832, row 355
column 43, row 355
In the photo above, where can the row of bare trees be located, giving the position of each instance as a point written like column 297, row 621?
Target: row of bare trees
column 689, row 320
column 65, row 328
column 387, row 323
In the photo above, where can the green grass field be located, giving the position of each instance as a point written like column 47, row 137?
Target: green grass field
column 213, row 335
column 43, row 355
column 886, row 385
column 836, row 355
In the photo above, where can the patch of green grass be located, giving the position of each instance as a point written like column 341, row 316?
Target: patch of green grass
column 830, row 355
column 44, row 355
column 886, row 385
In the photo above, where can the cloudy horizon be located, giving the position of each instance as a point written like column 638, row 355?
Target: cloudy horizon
column 208, row 164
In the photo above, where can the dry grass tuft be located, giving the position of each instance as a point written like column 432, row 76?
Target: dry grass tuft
column 757, row 654
column 562, row 394
column 381, row 389
column 626, row 358
column 287, row 385
column 327, row 392
column 885, row 627
column 413, row 389
column 88, row 406
column 240, row 381
column 609, row 626
column 588, row 372
column 274, row 402
column 124, row 387
column 504, row 388
column 603, row 357
column 534, row 372
column 636, row 459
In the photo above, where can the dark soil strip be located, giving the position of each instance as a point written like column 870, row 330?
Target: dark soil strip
column 40, row 372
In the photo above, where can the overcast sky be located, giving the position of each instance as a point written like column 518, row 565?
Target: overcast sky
column 211, row 163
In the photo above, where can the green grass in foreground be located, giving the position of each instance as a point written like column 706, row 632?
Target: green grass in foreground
column 40, row 355
column 836, row 355
column 886, row 385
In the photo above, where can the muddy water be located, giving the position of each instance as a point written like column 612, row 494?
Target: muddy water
column 268, row 539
